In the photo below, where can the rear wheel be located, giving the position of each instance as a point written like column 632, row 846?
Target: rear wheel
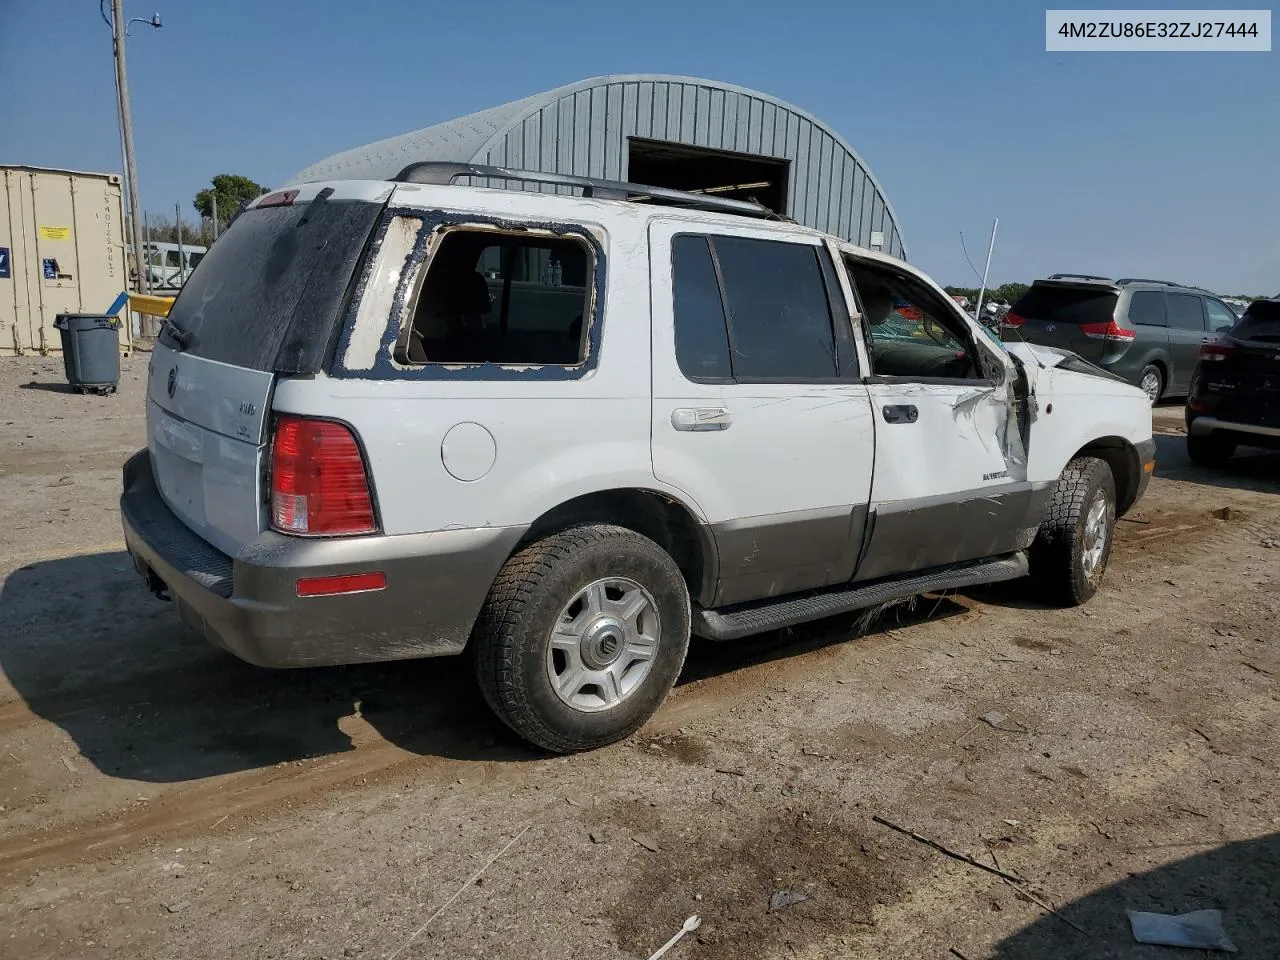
column 1070, row 553
column 1152, row 383
column 1210, row 450
column 582, row 637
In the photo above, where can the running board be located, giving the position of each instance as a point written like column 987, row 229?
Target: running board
column 732, row 623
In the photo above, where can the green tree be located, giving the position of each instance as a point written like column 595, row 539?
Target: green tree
column 1009, row 292
column 232, row 190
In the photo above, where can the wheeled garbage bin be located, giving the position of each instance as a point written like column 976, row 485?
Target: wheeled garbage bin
column 90, row 351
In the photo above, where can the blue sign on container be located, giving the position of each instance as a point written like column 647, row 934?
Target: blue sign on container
column 50, row 268
column 5, row 269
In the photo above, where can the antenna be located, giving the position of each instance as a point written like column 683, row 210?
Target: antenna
column 987, row 269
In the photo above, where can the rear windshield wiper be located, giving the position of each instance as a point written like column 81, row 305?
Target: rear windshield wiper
column 179, row 336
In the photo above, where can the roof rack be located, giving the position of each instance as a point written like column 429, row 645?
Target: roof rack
column 1166, row 283
column 444, row 173
column 1079, row 276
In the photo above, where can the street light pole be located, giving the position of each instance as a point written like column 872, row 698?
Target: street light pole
column 118, row 26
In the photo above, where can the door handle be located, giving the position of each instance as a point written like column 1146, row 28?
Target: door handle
column 698, row 419
column 900, row 413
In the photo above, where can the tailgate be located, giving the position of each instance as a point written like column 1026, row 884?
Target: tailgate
column 206, row 424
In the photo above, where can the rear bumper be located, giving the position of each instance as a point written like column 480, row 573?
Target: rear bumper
column 249, row 605
column 1248, row 434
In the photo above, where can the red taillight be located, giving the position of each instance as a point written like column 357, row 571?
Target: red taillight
column 318, row 481
column 1107, row 331
column 345, row 583
column 1012, row 319
column 1216, row 351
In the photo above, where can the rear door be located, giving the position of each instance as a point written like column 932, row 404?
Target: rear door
column 1188, row 331
column 266, row 300
column 1053, row 312
column 759, row 415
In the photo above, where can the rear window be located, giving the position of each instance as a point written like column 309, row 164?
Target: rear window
column 269, row 293
column 1260, row 322
column 1066, row 304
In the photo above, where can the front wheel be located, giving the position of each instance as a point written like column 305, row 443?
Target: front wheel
column 582, row 637
column 1071, row 550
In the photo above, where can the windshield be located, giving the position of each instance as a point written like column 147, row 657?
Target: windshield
column 269, row 293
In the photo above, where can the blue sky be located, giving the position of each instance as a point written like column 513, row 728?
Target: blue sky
column 1155, row 164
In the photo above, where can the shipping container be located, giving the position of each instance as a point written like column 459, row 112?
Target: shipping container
column 61, row 251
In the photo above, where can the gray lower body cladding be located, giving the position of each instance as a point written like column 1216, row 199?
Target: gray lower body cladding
column 249, row 604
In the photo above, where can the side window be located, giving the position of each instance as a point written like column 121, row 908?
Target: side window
column 1185, row 312
column 171, row 259
column 779, row 315
column 702, row 336
column 909, row 332
column 1221, row 317
column 488, row 297
column 1147, row 307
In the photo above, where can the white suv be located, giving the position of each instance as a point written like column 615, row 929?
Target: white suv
column 412, row 418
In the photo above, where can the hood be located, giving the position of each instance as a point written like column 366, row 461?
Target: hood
column 1043, row 357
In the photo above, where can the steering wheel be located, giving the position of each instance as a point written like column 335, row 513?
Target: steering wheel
column 935, row 332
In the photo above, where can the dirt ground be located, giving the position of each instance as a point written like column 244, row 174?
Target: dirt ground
column 161, row 799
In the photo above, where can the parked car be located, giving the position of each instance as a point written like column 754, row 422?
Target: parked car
column 1238, row 307
column 1147, row 332
column 381, row 426
column 1235, row 393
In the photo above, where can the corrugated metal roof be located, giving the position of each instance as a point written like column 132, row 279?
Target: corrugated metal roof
column 582, row 129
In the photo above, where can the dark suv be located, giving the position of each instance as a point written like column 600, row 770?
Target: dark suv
column 1235, row 392
column 1148, row 332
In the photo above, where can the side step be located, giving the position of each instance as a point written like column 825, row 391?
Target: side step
column 732, row 623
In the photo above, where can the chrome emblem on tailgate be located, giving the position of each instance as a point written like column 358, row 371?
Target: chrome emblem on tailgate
column 172, row 385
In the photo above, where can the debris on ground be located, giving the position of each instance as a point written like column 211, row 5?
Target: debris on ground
column 647, row 842
column 782, row 899
column 690, row 925
column 1199, row 930
column 962, row 857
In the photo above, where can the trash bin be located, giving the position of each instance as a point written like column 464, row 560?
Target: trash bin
column 90, row 351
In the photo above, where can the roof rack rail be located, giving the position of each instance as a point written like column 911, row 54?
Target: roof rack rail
column 1161, row 283
column 443, row 173
column 1079, row 276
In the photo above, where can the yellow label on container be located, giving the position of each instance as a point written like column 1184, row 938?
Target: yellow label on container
column 55, row 233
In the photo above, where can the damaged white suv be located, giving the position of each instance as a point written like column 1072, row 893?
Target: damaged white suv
column 412, row 418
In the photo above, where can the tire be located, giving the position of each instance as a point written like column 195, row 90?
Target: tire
column 1066, row 562
column 580, row 584
column 1210, row 450
column 1148, row 372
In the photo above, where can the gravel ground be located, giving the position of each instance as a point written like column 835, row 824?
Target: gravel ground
column 161, row 799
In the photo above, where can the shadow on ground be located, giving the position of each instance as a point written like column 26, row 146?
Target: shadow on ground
column 1249, row 469
column 89, row 649
column 47, row 387
column 1240, row 879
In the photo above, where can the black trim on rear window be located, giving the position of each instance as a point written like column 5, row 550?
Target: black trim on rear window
column 270, row 293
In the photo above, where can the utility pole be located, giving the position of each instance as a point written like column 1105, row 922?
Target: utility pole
column 214, row 196
column 118, row 27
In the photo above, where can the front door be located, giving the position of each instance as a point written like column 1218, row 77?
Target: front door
column 759, row 415
column 950, row 477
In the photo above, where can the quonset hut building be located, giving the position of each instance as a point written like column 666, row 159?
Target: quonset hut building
column 664, row 131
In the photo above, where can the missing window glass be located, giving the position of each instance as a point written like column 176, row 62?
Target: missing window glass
column 491, row 297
